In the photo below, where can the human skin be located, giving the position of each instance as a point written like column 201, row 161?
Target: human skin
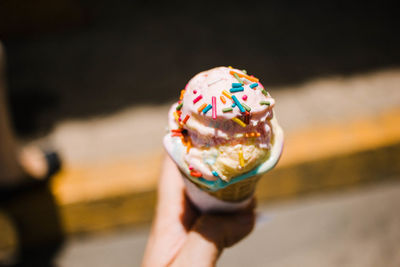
column 17, row 165
column 181, row 235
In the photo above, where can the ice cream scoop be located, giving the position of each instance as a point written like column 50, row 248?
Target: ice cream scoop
column 223, row 130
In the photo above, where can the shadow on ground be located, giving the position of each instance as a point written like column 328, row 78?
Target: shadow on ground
column 37, row 225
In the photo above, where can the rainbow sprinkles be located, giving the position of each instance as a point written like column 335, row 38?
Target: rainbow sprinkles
column 216, row 102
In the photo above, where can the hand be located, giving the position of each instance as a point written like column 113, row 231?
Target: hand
column 181, row 235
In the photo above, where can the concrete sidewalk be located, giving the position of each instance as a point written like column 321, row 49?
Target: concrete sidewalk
column 354, row 228
column 139, row 130
column 116, row 159
column 111, row 166
column 123, row 145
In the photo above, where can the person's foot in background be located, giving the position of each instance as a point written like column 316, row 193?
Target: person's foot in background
column 25, row 166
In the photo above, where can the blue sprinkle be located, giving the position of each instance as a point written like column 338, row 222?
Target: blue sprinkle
column 238, row 104
column 236, row 85
column 253, row 85
column 215, row 173
column 206, row 109
column 234, row 105
column 236, row 89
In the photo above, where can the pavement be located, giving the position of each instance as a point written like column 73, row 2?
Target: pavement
column 138, row 130
column 338, row 101
column 127, row 145
column 358, row 227
column 111, row 165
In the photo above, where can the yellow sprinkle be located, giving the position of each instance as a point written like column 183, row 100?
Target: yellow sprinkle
column 241, row 159
column 222, row 99
column 176, row 117
column 189, row 146
column 238, row 121
column 230, row 67
column 182, row 94
column 183, row 140
column 225, row 93
column 258, row 134
column 250, row 78
column 200, row 109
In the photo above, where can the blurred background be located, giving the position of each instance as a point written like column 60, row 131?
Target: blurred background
column 94, row 80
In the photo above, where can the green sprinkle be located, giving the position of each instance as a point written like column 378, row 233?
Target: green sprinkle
column 179, row 106
column 265, row 103
column 244, row 71
column 264, row 92
column 246, row 107
column 238, row 78
column 227, row 109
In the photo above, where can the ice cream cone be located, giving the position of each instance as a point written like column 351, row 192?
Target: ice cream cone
column 217, row 201
column 225, row 196
column 231, row 149
column 237, row 192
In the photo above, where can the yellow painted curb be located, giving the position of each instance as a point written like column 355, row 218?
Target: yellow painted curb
column 103, row 180
column 112, row 194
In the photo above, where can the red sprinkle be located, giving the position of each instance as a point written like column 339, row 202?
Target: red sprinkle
column 194, row 91
column 186, row 118
column 197, row 99
column 191, row 167
column 176, row 130
column 177, row 134
column 195, row 174
column 214, row 107
column 244, row 97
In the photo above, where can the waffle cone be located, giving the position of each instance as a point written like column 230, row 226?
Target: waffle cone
column 236, row 192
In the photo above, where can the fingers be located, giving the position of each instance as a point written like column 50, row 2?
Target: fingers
column 171, row 186
column 211, row 234
column 227, row 229
column 174, row 218
column 173, row 205
column 197, row 251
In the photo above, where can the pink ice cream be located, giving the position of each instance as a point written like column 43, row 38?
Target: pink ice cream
column 224, row 141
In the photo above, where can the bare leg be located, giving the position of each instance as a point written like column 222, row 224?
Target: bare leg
column 9, row 167
column 14, row 164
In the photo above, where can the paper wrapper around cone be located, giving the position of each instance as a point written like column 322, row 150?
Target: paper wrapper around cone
column 222, row 196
